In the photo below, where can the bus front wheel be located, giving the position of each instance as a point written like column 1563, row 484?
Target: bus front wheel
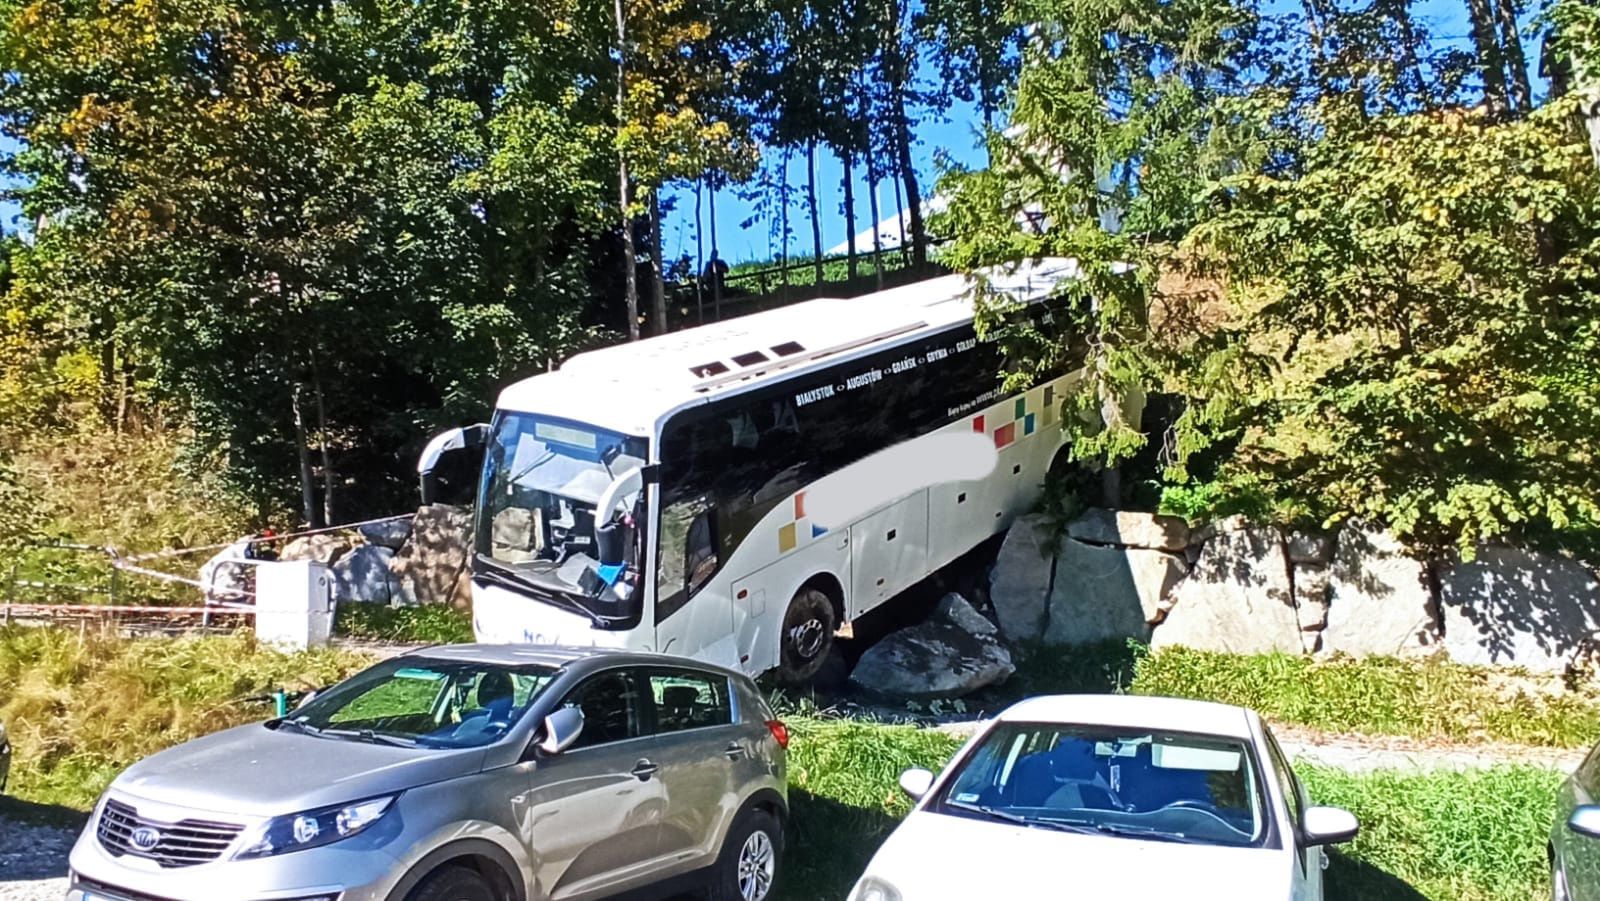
column 807, row 636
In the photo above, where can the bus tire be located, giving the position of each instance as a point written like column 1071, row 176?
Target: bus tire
column 806, row 637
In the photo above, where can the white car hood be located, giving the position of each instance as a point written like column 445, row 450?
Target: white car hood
column 936, row 856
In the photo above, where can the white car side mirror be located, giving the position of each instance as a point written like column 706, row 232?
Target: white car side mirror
column 916, row 782
column 1585, row 820
column 1328, row 826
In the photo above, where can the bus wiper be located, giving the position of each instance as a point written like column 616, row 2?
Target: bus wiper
column 509, row 579
column 1020, row 820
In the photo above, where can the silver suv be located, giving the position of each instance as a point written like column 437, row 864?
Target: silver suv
column 461, row 773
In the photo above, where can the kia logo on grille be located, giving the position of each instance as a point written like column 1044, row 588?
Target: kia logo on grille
column 144, row 838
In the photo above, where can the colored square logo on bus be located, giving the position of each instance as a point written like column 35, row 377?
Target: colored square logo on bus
column 1027, row 424
column 977, row 424
column 1022, row 408
column 800, row 505
column 1005, row 434
column 787, row 538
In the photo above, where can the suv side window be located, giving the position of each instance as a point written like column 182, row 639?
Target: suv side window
column 686, row 699
column 612, row 708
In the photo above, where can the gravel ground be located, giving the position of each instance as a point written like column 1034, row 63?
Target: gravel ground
column 32, row 861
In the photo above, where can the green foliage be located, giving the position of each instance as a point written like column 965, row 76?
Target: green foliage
column 1414, row 329
column 81, row 709
column 426, row 623
column 1470, row 836
column 1425, row 699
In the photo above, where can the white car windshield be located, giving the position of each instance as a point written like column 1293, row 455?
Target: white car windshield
column 1127, row 782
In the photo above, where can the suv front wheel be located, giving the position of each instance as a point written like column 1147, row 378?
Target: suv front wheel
column 748, row 864
column 453, row 883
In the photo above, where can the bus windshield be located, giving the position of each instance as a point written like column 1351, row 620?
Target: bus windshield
column 536, row 516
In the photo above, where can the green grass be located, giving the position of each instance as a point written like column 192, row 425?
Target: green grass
column 79, row 709
column 1473, row 836
column 845, row 799
column 426, row 623
column 1430, row 699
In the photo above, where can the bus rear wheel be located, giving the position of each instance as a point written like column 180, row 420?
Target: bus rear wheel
column 807, row 636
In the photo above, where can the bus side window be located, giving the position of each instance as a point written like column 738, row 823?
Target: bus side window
column 700, row 552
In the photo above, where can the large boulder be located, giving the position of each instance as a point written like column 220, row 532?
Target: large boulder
column 1123, row 529
column 432, row 566
column 324, row 547
column 389, row 533
column 1379, row 600
column 363, row 576
column 953, row 654
column 1512, row 607
column 1102, row 593
column 1019, row 584
column 1238, row 598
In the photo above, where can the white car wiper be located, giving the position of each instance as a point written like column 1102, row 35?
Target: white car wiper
column 1017, row 818
column 1129, row 831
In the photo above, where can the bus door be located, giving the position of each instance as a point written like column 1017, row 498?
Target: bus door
column 694, row 616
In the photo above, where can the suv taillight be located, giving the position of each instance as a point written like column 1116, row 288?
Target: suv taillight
column 780, row 732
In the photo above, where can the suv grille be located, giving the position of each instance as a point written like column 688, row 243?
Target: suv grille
column 181, row 844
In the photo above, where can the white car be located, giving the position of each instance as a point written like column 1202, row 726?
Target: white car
column 1109, row 796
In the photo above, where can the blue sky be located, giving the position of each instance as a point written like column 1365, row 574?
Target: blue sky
column 954, row 133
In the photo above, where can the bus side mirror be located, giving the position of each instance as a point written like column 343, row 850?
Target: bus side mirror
column 449, row 466
column 620, row 494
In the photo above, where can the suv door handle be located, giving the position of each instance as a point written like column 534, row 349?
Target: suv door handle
column 733, row 751
column 644, row 769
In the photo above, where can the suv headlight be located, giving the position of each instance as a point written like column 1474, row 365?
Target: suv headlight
column 871, row 888
column 314, row 828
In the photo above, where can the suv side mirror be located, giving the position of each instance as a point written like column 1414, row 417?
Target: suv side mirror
column 1585, row 820
column 1328, row 826
column 449, row 466
column 561, row 729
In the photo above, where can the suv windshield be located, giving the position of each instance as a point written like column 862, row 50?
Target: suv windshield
column 1128, row 782
column 424, row 703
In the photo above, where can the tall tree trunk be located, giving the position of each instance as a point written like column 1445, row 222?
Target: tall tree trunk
column 699, row 253
column 1511, row 49
column 328, row 477
column 908, row 172
column 897, row 66
column 716, row 255
column 302, row 447
column 630, row 259
column 849, row 216
column 877, row 218
column 1491, row 65
column 783, row 225
column 899, row 202
column 658, row 287
column 816, row 216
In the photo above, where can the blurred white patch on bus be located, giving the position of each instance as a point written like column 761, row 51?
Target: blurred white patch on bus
column 901, row 470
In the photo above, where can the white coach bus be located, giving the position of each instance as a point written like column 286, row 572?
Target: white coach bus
column 738, row 491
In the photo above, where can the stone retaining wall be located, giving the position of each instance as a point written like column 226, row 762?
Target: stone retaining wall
column 1238, row 587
